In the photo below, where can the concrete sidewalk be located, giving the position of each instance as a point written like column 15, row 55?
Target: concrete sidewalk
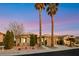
column 46, row 49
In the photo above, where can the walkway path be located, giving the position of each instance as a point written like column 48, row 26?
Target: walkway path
column 46, row 48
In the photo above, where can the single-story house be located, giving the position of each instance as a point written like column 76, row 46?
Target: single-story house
column 23, row 39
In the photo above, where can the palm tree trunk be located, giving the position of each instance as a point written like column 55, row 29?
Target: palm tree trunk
column 52, row 31
column 40, row 26
column 70, row 43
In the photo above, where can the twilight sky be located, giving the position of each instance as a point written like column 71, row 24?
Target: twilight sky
column 66, row 20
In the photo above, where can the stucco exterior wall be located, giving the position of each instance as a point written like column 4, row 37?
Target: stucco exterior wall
column 1, row 38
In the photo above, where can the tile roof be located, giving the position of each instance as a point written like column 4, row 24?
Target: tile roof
column 1, row 33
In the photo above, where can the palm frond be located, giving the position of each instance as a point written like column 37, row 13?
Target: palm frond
column 52, row 8
column 39, row 5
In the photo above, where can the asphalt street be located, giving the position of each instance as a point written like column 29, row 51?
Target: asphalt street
column 72, row 52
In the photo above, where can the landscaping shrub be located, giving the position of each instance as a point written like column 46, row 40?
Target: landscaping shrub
column 33, row 40
column 60, row 42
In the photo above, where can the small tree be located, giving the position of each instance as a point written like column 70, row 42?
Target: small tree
column 17, row 29
column 33, row 40
column 9, row 40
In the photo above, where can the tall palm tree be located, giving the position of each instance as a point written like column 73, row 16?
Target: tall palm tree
column 51, row 10
column 40, row 7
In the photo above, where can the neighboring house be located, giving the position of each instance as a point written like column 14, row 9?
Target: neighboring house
column 23, row 39
column 46, row 40
column 68, row 40
column 77, row 39
column 1, row 38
